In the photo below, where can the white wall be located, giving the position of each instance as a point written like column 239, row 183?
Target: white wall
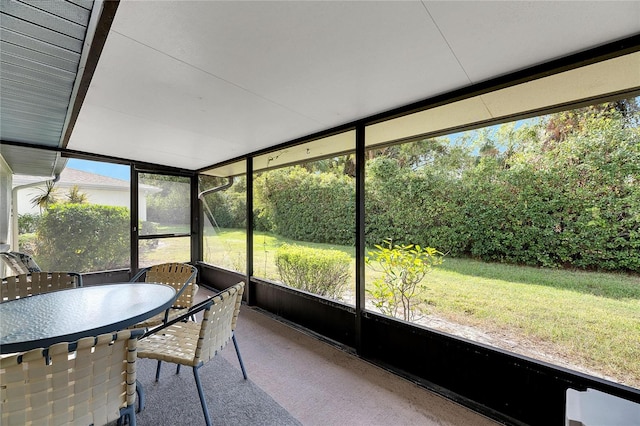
column 6, row 180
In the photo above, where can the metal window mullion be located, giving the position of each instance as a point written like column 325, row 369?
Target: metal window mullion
column 133, row 211
column 196, row 223
column 360, row 234
column 249, row 202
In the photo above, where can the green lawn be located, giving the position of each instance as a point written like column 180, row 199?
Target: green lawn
column 591, row 319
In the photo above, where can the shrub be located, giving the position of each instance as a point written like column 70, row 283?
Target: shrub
column 304, row 206
column 83, row 237
column 148, row 228
column 403, row 267
column 27, row 243
column 323, row 272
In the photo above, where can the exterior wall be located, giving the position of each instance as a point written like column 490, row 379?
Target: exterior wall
column 6, row 179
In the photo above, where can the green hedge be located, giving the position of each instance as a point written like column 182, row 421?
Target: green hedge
column 413, row 208
column 83, row 237
column 304, row 206
column 557, row 201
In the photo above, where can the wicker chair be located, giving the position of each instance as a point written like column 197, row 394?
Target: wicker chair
column 180, row 276
column 33, row 283
column 91, row 381
column 19, row 263
column 194, row 343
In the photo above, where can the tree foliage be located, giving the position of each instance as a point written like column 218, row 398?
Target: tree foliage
column 46, row 197
column 74, row 196
column 171, row 205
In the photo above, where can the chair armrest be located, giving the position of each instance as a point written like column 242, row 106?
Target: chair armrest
column 194, row 310
column 140, row 273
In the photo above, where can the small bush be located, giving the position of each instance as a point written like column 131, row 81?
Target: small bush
column 148, row 228
column 27, row 243
column 322, row 272
column 404, row 267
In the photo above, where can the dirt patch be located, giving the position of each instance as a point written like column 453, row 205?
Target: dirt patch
column 537, row 349
column 511, row 341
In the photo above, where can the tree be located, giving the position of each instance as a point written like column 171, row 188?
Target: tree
column 74, row 196
column 46, row 197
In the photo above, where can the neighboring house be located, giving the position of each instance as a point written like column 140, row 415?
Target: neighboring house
column 99, row 189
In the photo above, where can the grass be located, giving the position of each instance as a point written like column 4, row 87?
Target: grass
column 227, row 248
column 591, row 319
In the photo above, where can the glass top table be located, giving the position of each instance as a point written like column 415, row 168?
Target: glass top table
column 68, row 315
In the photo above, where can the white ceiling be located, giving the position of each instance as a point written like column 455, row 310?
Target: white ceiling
column 190, row 84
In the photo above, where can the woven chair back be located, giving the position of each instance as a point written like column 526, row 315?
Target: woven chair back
column 175, row 275
column 83, row 384
column 236, row 310
column 33, row 283
column 218, row 322
column 19, row 263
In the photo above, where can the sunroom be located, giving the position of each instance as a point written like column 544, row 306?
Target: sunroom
column 495, row 141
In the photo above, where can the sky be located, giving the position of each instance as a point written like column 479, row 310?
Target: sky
column 105, row 169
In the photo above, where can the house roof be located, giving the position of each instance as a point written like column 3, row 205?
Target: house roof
column 70, row 177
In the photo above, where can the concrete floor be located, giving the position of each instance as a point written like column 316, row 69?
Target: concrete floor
column 320, row 384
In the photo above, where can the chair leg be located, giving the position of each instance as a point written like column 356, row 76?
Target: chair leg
column 158, row 370
column 128, row 413
column 205, row 409
column 235, row 343
column 141, row 396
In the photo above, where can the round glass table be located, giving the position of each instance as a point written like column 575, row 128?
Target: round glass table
column 68, row 315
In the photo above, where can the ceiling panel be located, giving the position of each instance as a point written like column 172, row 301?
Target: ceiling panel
column 494, row 38
column 161, row 100
column 248, row 75
column 191, row 84
column 319, row 59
